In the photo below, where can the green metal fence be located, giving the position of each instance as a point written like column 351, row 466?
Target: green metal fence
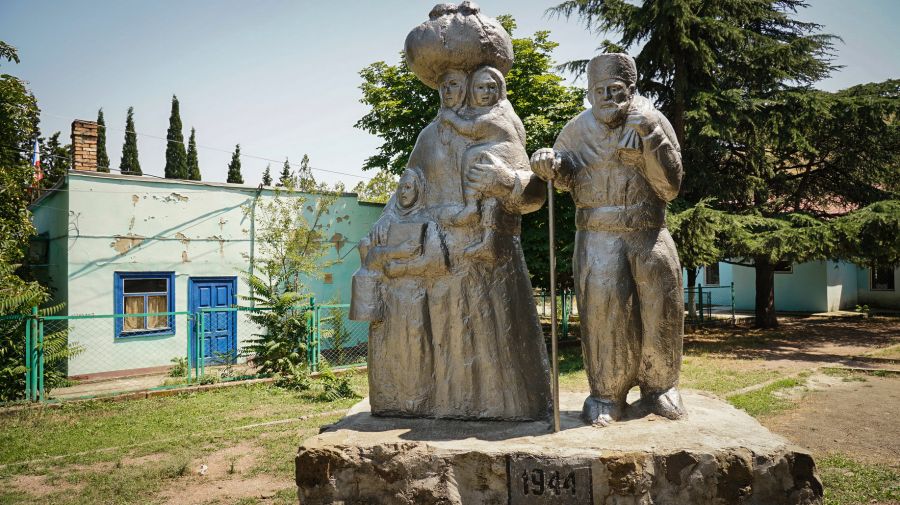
column 709, row 305
column 566, row 309
column 712, row 305
column 122, row 353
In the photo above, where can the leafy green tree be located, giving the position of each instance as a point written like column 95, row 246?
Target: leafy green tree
column 401, row 106
column 17, row 297
column 304, row 177
column 693, row 47
column 695, row 232
column 280, row 349
column 8, row 52
column 55, row 160
column 193, row 163
column 871, row 235
column 267, row 176
column 176, row 157
column 287, row 177
column 292, row 245
column 234, row 167
column 130, row 165
column 377, row 189
column 757, row 141
column 19, row 115
column 102, row 156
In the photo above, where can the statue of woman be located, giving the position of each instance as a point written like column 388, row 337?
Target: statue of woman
column 480, row 342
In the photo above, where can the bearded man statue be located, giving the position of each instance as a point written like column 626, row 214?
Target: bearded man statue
column 621, row 162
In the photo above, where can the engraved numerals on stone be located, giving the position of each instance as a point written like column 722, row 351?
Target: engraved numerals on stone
column 538, row 482
column 533, row 481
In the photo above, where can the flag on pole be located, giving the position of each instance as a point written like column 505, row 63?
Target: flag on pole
column 36, row 162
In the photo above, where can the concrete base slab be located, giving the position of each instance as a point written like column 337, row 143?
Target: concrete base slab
column 718, row 455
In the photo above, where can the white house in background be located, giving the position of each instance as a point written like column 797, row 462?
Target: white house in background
column 815, row 286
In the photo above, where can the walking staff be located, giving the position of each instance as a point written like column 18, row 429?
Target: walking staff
column 553, row 339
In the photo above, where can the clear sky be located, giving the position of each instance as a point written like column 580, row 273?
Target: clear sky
column 281, row 77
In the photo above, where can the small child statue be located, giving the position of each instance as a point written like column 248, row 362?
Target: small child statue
column 493, row 126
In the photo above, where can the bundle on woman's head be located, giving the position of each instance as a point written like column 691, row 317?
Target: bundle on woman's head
column 460, row 37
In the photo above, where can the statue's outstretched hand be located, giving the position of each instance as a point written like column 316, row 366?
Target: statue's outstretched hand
column 544, row 163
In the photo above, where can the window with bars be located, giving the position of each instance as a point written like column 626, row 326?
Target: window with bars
column 711, row 274
column 882, row 279
column 150, row 294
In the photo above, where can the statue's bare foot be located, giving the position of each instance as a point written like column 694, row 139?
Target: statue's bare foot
column 666, row 404
column 601, row 412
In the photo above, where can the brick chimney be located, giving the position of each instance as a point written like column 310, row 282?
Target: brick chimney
column 84, row 145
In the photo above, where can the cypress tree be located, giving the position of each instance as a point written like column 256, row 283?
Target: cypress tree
column 234, row 168
column 130, row 164
column 286, row 175
column 102, row 157
column 176, row 157
column 267, row 176
column 193, row 164
column 305, row 179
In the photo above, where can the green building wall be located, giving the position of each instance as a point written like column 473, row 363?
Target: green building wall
column 101, row 224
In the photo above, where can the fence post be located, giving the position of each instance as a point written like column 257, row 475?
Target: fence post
column 40, row 367
column 565, row 315
column 318, row 338
column 733, row 320
column 29, row 372
column 201, row 362
column 700, row 301
column 311, row 334
column 192, row 328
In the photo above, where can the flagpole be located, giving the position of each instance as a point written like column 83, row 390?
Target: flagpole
column 554, row 351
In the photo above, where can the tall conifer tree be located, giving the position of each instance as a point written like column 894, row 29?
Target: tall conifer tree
column 286, row 175
column 193, row 164
column 305, row 179
column 267, row 176
column 234, row 168
column 769, row 155
column 130, row 164
column 176, row 157
column 102, row 156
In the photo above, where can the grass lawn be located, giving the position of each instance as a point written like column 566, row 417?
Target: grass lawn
column 149, row 451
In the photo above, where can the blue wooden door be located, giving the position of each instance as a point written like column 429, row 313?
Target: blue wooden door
column 219, row 326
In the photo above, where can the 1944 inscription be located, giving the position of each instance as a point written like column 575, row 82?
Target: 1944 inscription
column 534, row 481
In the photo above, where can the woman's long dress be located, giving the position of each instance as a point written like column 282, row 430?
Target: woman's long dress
column 466, row 343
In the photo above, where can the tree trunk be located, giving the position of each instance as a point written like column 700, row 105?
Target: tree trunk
column 765, row 293
column 692, row 293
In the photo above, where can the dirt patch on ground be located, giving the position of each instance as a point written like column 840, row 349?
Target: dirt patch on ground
column 857, row 418
column 223, row 475
column 799, row 342
column 39, row 486
column 143, row 460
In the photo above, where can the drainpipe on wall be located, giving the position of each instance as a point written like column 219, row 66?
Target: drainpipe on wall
column 253, row 239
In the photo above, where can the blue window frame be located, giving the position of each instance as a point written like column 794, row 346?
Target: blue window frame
column 143, row 293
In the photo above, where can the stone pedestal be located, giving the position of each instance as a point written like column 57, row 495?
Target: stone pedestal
column 718, row 455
